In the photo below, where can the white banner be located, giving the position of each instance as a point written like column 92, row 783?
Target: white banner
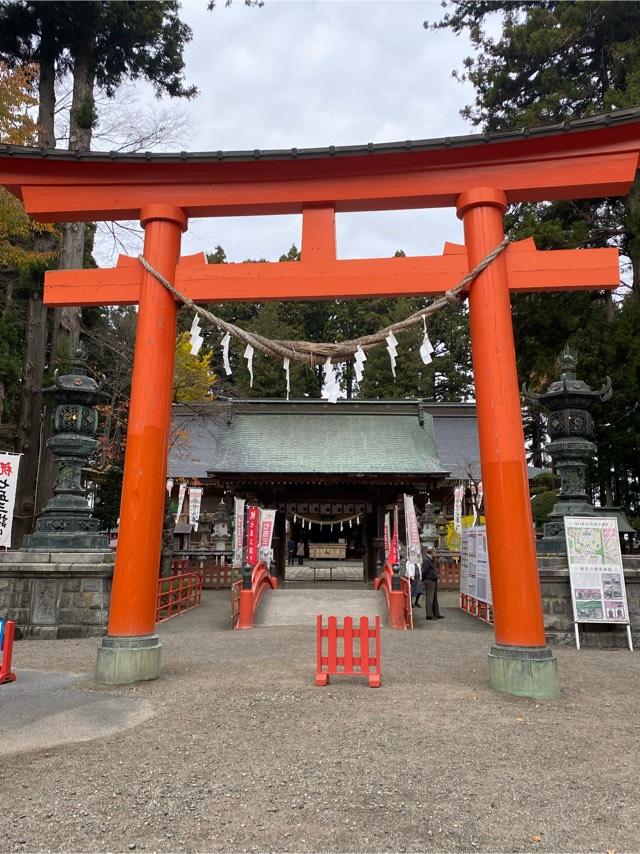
column 9, row 465
column 596, row 573
column 267, row 522
column 181, row 495
column 414, row 553
column 195, row 500
column 238, row 530
column 458, row 494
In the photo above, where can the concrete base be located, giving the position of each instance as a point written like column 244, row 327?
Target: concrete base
column 122, row 661
column 524, row 672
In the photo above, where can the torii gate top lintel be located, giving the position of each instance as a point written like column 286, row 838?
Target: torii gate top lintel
column 585, row 158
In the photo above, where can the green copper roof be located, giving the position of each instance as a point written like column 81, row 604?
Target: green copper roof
column 333, row 439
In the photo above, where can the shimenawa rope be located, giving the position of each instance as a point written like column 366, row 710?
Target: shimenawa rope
column 311, row 353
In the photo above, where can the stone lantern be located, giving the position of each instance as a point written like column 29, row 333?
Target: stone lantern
column 67, row 524
column 221, row 527
column 428, row 526
column 568, row 402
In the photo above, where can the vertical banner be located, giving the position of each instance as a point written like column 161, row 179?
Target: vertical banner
column 195, row 500
column 394, row 552
column 414, row 553
column 238, row 530
column 458, row 494
column 267, row 522
column 9, row 464
column 181, row 495
column 387, row 536
column 253, row 518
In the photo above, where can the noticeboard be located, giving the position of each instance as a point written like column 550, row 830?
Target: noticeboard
column 598, row 591
column 475, row 580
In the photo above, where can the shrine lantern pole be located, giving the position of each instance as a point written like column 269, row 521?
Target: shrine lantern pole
column 131, row 650
column 519, row 662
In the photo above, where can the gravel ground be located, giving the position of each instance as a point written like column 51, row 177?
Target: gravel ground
column 244, row 753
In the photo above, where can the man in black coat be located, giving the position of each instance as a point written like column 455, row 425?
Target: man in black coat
column 430, row 580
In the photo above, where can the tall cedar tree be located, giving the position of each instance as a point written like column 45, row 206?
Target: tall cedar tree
column 101, row 44
column 554, row 61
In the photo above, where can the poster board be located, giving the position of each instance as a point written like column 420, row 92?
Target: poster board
column 475, row 579
column 596, row 573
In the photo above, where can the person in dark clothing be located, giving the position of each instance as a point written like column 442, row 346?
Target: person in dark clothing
column 291, row 550
column 430, row 580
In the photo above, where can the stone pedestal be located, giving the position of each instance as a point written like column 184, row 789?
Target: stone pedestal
column 56, row 594
column 558, row 610
column 524, row 672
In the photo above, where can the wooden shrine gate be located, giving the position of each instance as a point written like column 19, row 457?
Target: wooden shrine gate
column 479, row 175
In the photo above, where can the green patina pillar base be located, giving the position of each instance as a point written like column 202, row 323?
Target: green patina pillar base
column 122, row 661
column 524, row 672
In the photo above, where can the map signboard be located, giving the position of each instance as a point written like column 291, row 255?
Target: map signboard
column 596, row 573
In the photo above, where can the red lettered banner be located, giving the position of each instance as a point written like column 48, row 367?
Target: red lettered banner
column 253, row 526
column 387, row 536
column 267, row 520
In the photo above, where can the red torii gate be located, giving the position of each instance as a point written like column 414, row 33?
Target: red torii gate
column 480, row 175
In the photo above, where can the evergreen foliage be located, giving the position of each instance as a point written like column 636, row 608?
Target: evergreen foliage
column 554, row 61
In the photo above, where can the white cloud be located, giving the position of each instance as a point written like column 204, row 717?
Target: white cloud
column 314, row 74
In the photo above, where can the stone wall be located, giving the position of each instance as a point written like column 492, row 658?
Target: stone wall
column 56, row 594
column 558, row 610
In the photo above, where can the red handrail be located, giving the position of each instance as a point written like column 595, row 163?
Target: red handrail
column 177, row 594
column 261, row 579
column 398, row 601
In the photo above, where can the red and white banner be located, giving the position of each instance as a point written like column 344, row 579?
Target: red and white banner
column 253, row 525
column 411, row 527
column 267, row 522
column 238, row 530
column 195, row 501
column 181, row 494
column 387, row 536
column 9, row 464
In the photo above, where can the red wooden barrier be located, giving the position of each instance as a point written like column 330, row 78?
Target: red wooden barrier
column 346, row 662
column 6, row 674
column 398, row 601
column 261, row 579
column 177, row 594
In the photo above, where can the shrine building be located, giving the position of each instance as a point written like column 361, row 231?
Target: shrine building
column 330, row 470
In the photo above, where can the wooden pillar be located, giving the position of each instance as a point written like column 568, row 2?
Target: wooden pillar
column 133, row 599
column 514, row 568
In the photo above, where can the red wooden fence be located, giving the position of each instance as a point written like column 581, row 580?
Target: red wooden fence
column 216, row 572
column 344, row 661
column 448, row 571
column 8, row 631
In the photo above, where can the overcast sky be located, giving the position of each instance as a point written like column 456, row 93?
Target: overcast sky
column 303, row 73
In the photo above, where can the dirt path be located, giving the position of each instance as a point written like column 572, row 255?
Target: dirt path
column 243, row 753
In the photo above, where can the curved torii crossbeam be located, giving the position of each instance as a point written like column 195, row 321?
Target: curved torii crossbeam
column 480, row 175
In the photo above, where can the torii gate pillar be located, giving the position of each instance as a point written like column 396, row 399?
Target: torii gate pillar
column 519, row 663
column 131, row 650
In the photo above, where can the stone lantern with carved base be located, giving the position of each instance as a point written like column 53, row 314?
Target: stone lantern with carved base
column 58, row 584
column 570, row 424
column 67, row 523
